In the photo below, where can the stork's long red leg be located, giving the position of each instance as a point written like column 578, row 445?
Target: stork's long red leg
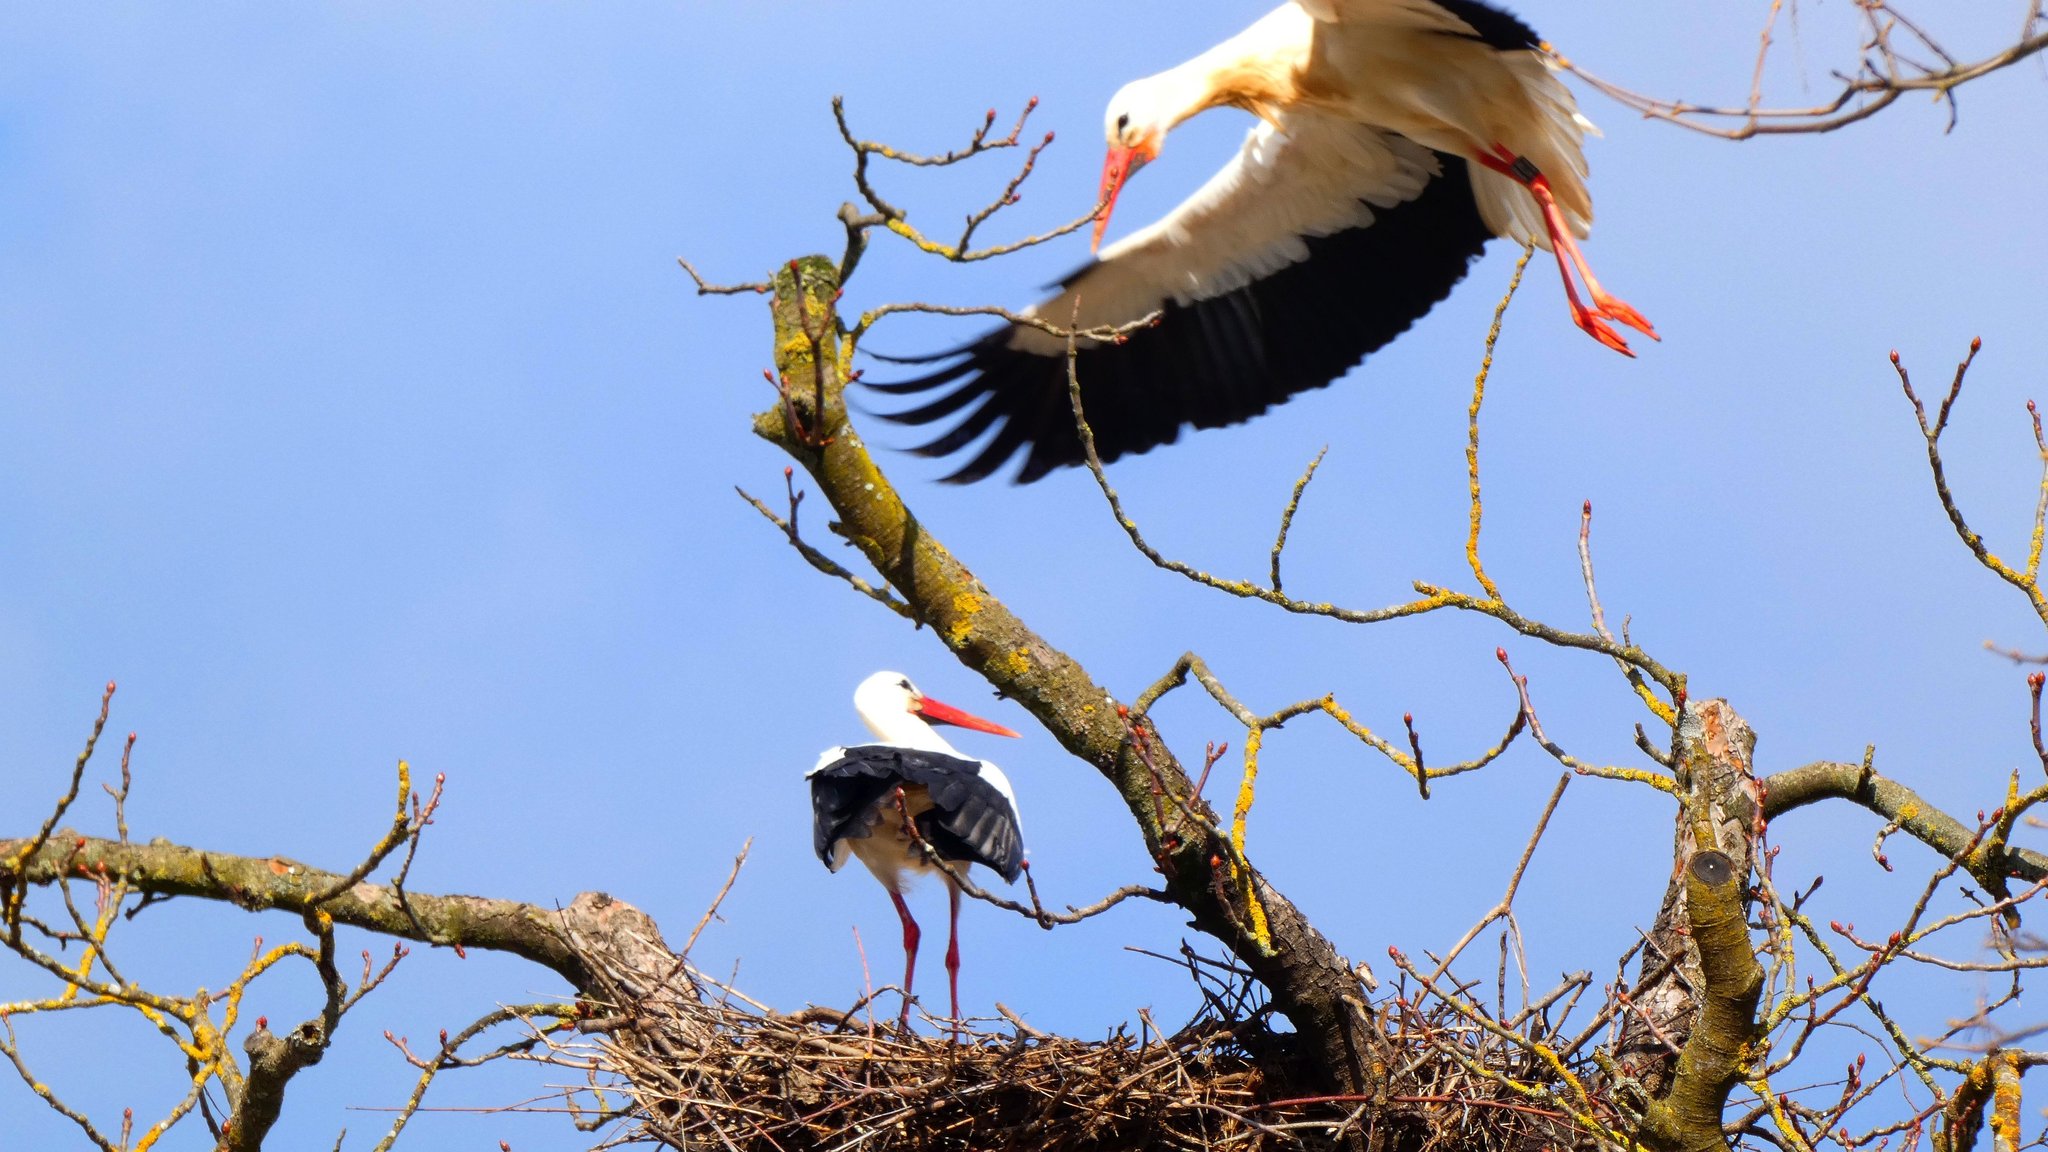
column 1608, row 306
column 953, row 952
column 1569, row 257
column 910, row 938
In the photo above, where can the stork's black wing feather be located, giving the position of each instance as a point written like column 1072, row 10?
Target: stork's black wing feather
column 1496, row 28
column 1208, row 362
column 970, row 818
column 1491, row 26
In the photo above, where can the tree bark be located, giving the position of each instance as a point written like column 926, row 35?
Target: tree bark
column 1694, row 1008
column 161, row 868
column 1688, row 1118
column 1991, row 863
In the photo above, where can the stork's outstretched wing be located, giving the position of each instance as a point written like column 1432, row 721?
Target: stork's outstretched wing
column 1319, row 243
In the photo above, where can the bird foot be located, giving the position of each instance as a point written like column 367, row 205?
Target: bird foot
column 1621, row 313
column 1591, row 323
column 1569, row 258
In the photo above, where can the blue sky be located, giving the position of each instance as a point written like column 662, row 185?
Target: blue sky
column 352, row 407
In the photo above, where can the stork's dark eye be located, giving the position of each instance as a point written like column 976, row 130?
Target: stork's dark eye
column 905, row 685
column 1123, row 121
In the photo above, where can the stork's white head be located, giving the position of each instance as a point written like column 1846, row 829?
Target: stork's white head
column 897, row 713
column 1139, row 116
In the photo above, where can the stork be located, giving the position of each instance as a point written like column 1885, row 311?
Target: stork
column 1394, row 139
column 898, row 803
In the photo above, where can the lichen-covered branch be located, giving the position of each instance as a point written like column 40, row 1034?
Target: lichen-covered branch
column 1993, row 1085
column 1688, row 1118
column 1914, row 815
column 603, row 948
column 15, row 855
column 1431, row 597
column 273, row 1061
column 201, row 1024
column 2025, row 577
column 1688, row 1031
column 895, row 219
column 253, row 883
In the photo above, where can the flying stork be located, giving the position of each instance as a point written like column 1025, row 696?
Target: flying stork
column 1395, row 138
column 957, row 808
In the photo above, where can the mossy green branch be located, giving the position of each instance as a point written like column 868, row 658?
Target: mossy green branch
column 1716, row 1055
column 162, row 869
column 1831, row 780
column 1685, row 1043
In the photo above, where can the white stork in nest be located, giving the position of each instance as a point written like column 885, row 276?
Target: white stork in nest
column 1395, row 138
column 897, row 804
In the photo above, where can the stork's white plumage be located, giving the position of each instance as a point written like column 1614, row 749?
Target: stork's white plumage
column 1395, row 138
column 897, row 803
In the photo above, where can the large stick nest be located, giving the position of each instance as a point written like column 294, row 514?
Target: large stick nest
column 710, row 1069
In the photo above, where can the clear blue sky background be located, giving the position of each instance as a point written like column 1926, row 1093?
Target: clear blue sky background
column 352, row 408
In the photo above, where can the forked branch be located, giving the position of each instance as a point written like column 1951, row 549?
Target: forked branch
column 887, row 215
column 1431, row 598
column 2026, row 577
column 1895, row 58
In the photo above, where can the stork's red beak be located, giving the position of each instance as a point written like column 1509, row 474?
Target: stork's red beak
column 941, row 713
column 1116, row 168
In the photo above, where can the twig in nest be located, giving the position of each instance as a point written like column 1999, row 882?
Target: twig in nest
column 711, row 912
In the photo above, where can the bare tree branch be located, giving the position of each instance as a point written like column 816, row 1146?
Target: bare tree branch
column 1885, row 70
column 1834, row 780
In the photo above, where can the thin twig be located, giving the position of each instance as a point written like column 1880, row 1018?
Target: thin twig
column 1293, row 505
column 1507, row 900
column 824, row 563
column 1883, row 75
column 706, row 288
column 712, row 911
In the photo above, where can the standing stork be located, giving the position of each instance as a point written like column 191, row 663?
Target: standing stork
column 1395, row 138
column 897, row 803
